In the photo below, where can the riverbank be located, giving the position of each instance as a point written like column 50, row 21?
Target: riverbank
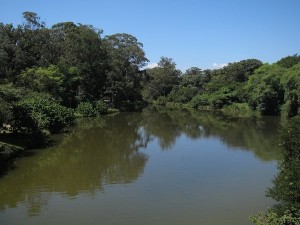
column 8, row 151
column 236, row 110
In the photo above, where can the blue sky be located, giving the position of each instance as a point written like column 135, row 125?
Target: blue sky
column 198, row 33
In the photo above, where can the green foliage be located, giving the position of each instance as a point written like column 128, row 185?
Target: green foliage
column 161, row 79
column 238, row 110
column 161, row 100
column 194, row 77
column 37, row 112
column 10, row 93
column 125, row 59
column 272, row 218
column 100, row 107
column 201, row 101
column 86, row 109
column 224, row 96
column 239, row 71
column 215, row 100
column 286, row 189
column 112, row 111
column 223, row 87
column 176, row 105
column 289, row 61
column 48, row 80
column 91, row 109
column 264, row 91
column 83, row 49
column 291, row 139
column 182, row 94
column 290, row 82
column 74, row 64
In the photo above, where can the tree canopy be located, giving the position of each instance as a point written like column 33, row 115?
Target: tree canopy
column 78, row 68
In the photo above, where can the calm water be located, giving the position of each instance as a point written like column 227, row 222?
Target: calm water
column 146, row 168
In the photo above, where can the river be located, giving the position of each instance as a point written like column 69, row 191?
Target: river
column 146, row 168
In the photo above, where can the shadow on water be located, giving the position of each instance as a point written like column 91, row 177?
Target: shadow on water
column 104, row 151
column 6, row 167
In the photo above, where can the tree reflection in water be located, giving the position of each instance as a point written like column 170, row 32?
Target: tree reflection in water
column 95, row 153
column 104, row 151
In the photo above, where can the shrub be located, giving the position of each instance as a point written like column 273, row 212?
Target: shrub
column 182, row 94
column 238, row 110
column 86, row 109
column 200, row 101
column 162, row 100
column 112, row 110
column 91, row 109
column 272, row 218
column 100, row 107
column 39, row 112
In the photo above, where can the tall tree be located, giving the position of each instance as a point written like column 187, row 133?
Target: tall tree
column 264, row 91
column 126, row 58
column 161, row 79
column 32, row 21
column 83, row 49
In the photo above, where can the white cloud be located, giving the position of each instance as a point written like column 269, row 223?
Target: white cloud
column 219, row 66
column 151, row 65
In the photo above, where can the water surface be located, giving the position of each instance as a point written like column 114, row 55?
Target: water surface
column 171, row 167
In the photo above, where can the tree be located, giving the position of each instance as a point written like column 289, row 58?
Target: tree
column 193, row 77
column 161, row 79
column 125, row 60
column 11, row 62
column 49, row 80
column 264, row 91
column 240, row 71
column 289, row 61
column 290, row 82
column 32, row 21
column 191, row 83
column 83, row 49
column 25, row 46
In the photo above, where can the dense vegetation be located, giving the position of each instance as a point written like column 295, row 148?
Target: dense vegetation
column 286, row 189
column 50, row 75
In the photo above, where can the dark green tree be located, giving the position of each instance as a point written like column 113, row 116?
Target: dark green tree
column 83, row 49
column 126, row 58
column 286, row 187
column 289, row 61
column 264, row 91
column 161, row 79
column 290, row 82
column 240, row 71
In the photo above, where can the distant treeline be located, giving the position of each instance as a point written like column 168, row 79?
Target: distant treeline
column 48, row 74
